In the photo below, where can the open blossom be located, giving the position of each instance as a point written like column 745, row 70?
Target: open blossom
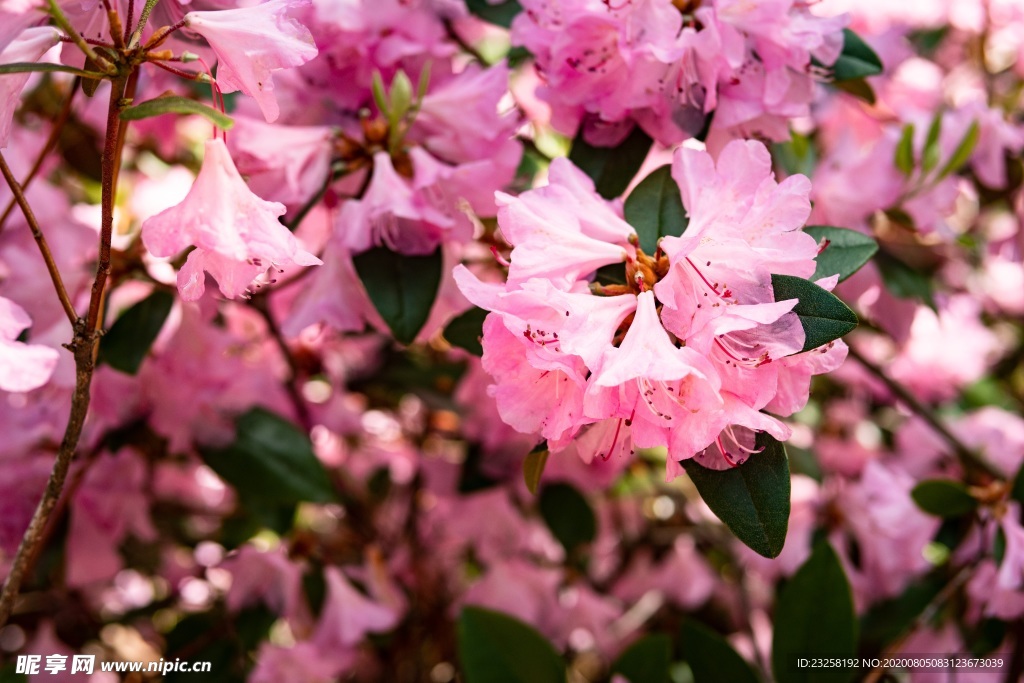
column 251, row 43
column 685, row 353
column 28, row 46
column 236, row 234
column 23, row 367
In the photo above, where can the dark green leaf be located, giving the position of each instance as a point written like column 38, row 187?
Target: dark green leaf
column 465, row 331
column 822, row 314
column 568, row 515
column 930, row 155
column 711, row 658
column 903, row 281
column 8, row 674
column 905, row 150
column 496, row 648
column 533, row 466
column 655, row 209
column 846, row 252
column 401, row 287
column 173, row 104
column 814, row 617
column 125, row 345
column 647, row 660
column 612, row 274
column 962, row 152
column 859, row 88
column 944, row 498
column 501, row 14
column 271, row 462
column 751, row 499
column 797, row 155
column 887, row 620
column 611, row 168
column 857, row 59
column 39, row 67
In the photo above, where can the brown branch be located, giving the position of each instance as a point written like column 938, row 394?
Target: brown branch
column 968, row 458
column 37, row 233
column 51, row 142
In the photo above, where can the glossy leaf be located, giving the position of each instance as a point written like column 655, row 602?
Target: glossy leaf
column 752, row 499
column 846, row 252
column 611, row 168
column 533, row 466
column 655, row 209
column 497, row 648
column 173, row 104
column 271, row 462
column 944, row 498
column 905, row 150
column 401, row 287
column 465, row 330
column 962, row 152
column 568, row 514
column 823, row 315
column 903, row 281
column 857, row 60
column 500, row 14
column 646, row 661
column 814, row 617
column 126, row 344
column 710, row 656
column 859, row 88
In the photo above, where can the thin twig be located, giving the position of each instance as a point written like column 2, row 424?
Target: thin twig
column 147, row 9
column 82, row 345
column 969, row 458
column 62, row 21
column 37, row 233
column 51, row 142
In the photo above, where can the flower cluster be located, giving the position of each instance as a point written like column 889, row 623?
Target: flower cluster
column 690, row 350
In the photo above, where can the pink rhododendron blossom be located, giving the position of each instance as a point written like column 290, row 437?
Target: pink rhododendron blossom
column 23, row 367
column 236, row 234
column 29, row 46
column 683, row 352
column 253, row 42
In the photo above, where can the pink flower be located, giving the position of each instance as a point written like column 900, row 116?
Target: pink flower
column 683, row 352
column 29, row 46
column 23, row 367
column 349, row 615
column 289, row 164
column 251, row 43
column 236, row 234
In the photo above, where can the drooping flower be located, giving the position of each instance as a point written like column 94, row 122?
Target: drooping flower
column 23, row 367
column 253, row 42
column 236, row 235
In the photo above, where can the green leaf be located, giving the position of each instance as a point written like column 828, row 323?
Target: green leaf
column 814, row 617
column 711, row 658
column 271, row 462
column 859, row 88
column 379, row 96
column 496, row 648
column 465, row 330
column 568, row 514
column 401, row 287
column 962, row 152
column 846, row 252
column 173, row 104
column 533, row 466
column 400, row 97
column 930, row 156
column 904, row 282
column 647, row 660
column 857, row 60
column 752, row 499
column 125, row 345
column 500, row 14
column 797, row 155
column 655, row 209
column 944, row 498
column 823, row 315
column 905, row 151
column 611, row 168
column 38, row 67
